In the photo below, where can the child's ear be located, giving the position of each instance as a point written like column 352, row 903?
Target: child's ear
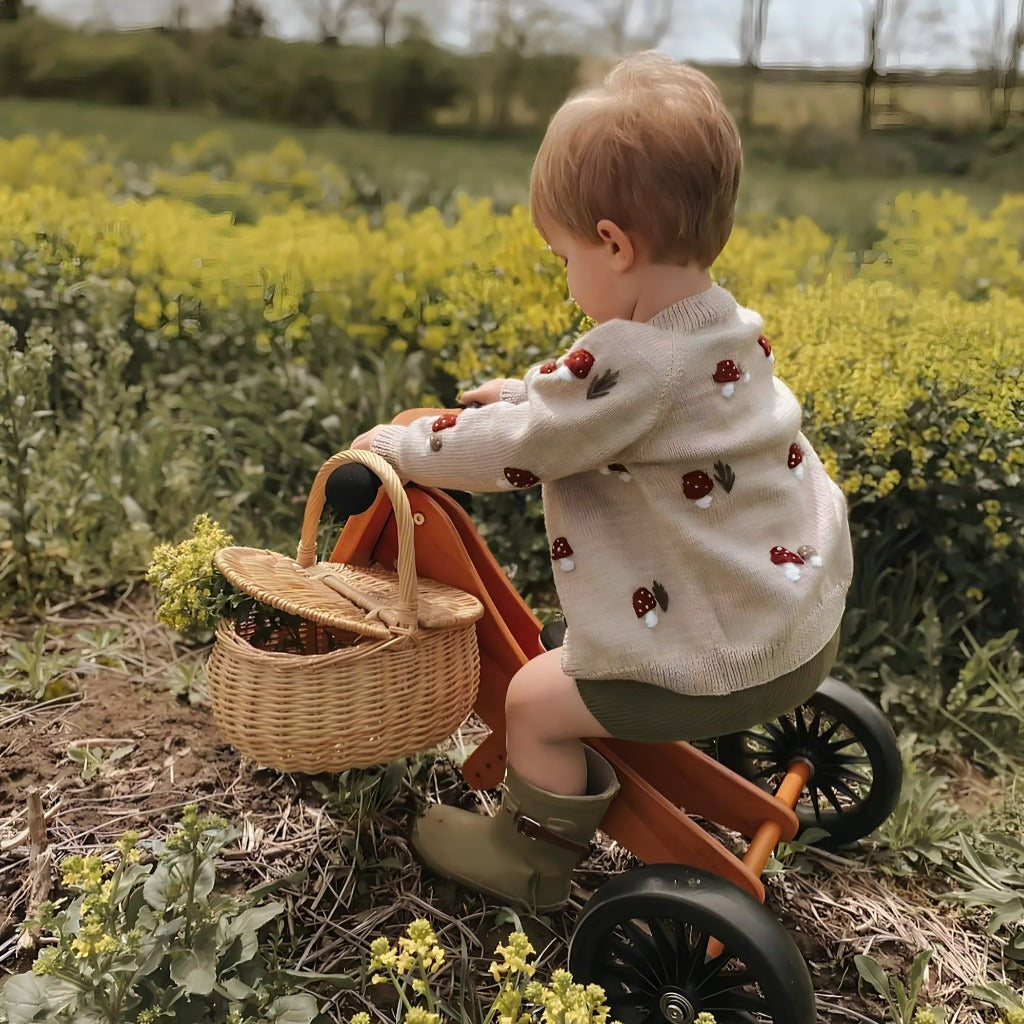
column 618, row 245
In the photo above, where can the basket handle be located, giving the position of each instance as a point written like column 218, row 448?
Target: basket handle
column 408, row 590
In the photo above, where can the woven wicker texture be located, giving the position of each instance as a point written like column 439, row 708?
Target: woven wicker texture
column 383, row 664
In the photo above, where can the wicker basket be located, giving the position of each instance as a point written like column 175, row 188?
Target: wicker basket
column 381, row 666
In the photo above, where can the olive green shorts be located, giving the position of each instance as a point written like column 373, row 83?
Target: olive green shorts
column 652, row 714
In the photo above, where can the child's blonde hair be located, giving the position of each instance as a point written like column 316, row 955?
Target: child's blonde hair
column 653, row 149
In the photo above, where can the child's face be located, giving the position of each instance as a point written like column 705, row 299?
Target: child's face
column 599, row 289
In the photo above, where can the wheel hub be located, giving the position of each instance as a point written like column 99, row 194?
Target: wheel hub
column 676, row 1008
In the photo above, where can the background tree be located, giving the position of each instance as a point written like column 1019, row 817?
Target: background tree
column 384, row 15
column 1001, row 65
column 11, row 10
column 179, row 15
column 753, row 26
column 632, row 26
column 329, row 18
column 881, row 24
column 246, row 19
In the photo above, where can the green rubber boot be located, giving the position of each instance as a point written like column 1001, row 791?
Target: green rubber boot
column 525, row 854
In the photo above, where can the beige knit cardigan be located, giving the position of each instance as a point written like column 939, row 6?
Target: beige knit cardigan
column 697, row 542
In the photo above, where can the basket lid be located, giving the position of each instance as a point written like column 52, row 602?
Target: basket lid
column 361, row 600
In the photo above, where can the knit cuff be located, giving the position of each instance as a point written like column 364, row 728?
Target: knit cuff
column 388, row 444
column 513, row 390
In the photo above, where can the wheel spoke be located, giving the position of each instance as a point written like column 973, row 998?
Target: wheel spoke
column 849, row 776
column 830, row 795
column 634, row 949
column 731, row 990
column 843, row 744
column 667, row 947
column 846, row 790
column 634, row 977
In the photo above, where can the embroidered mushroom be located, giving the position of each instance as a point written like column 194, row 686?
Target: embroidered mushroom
column 809, row 555
column 520, row 477
column 548, row 367
column 449, row 419
column 795, row 461
column 618, row 469
column 576, row 364
column 645, row 607
column 561, row 552
column 789, row 560
column 697, row 486
column 727, row 373
column 441, row 423
column 766, row 348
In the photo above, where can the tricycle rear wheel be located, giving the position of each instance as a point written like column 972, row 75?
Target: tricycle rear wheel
column 858, row 771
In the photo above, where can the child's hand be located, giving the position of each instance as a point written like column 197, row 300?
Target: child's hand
column 364, row 442
column 484, row 394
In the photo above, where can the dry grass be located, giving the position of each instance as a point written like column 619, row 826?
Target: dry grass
column 347, row 879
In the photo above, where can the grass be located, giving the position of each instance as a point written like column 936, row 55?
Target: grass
column 843, row 203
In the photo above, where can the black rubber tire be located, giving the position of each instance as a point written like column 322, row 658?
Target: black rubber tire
column 642, row 937
column 858, row 771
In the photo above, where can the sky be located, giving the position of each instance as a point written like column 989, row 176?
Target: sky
column 829, row 33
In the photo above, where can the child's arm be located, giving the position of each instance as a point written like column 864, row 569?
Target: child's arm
column 579, row 414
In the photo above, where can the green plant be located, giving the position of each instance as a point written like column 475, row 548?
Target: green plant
column 36, row 670
column 987, row 701
column 359, row 799
column 919, row 831
column 412, row 964
column 993, row 870
column 98, row 760
column 901, row 1000
column 195, row 595
column 150, row 939
column 1000, row 995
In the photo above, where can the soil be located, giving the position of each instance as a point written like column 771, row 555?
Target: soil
column 361, row 879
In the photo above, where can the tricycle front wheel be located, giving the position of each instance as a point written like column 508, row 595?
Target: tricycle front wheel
column 644, row 938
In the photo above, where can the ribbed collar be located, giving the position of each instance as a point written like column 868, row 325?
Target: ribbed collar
column 701, row 310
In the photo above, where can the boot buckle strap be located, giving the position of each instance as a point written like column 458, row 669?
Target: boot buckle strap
column 533, row 829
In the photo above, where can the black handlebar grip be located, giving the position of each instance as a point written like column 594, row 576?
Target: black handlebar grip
column 351, row 489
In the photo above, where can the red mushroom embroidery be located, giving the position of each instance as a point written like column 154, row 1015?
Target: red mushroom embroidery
column 441, row 423
column 766, row 348
column 789, row 560
column 795, row 461
column 561, row 552
column 697, row 486
column 576, row 364
column 809, row 555
column 520, row 477
column 727, row 373
column 645, row 607
column 548, row 367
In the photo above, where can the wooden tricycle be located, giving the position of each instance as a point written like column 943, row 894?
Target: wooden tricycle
column 688, row 931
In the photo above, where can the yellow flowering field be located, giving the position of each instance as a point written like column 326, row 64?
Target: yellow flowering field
column 261, row 313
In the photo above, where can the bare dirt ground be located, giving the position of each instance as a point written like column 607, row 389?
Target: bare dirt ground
column 354, row 874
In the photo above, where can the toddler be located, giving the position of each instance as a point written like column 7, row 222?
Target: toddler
column 700, row 552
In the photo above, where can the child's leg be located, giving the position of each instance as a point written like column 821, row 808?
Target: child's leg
column 545, row 718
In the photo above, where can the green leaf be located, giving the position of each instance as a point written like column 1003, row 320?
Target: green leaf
column 870, row 970
column 28, row 997
column 300, row 1008
column 195, row 969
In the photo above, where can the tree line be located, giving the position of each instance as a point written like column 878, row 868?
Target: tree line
column 513, row 30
